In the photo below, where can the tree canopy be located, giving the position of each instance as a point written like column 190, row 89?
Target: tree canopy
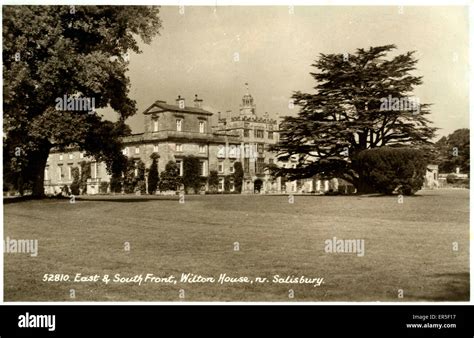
column 361, row 101
column 453, row 151
column 50, row 52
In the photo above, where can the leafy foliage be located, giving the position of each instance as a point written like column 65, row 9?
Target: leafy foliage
column 153, row 176
column 170, row 179
column 213, row 181
column 454, row 152
column 389, row 169
column 238, row 176
column 345, row 115
column 52, row 51
column 85, row 175
column 191, row 173
column 75, row 185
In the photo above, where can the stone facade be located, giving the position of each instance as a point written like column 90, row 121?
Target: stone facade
column 174, row 131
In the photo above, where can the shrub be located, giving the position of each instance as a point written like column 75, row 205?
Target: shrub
column 213, row 181
column 85, row 175
column 129, row 179
column 388, row 170
column 65, row 190
column 116, row 183
column 451, row 178
column 141, row 187
column 238, row 177
column 191, row 174
column 104, row 187
column 75, row 185
column 153, row 176
column 170, row 179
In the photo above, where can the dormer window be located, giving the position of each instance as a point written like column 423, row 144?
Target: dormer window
column 202, row 127
column 179, row 124
column 155, row 125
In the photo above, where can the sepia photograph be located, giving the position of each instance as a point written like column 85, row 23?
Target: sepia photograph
column 236, row 153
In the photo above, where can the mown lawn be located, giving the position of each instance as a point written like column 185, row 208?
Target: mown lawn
column 408, row 246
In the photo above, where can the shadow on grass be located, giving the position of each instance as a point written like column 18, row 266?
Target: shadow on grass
column 120, row 199
column 18, row 199
column 456, row 287
column 126, row 200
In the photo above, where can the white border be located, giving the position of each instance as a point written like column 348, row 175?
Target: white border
column 255, row 3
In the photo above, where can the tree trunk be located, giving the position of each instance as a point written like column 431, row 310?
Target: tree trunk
column 38, row 164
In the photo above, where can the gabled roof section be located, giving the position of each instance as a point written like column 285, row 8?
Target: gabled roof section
column 162, row 106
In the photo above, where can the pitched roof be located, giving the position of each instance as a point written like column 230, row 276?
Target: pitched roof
column 163, row 106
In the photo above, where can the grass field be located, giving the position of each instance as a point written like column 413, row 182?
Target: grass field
column 408, row 246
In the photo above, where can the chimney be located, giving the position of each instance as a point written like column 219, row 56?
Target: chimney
column 197, row 102
column 180, row 102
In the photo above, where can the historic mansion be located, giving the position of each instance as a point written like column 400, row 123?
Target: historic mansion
column 174, row 131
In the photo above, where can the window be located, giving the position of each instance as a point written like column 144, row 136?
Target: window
column 232, row 186
column 250, row 150
column 232, row 151
column 260, row 165
column 221, row 151
column 60, row 172
column 155, row 125
column 125, row 151
column 179, row 164
column 246, row 133
column 203, row 168
column 259, row 133
column 221, row 184
column 81, row 155
column 221, row 167
column 60, row 157
column 270, row 135
column 202, row 125
column 231, row 169
column 179, row 147
column 179, row 124
column 260, row 148
column 137, row 150
column 247, row 165
column 95, row 170
column 71, row 156
column 69, row 172
column 202, row 149
column 155, row 148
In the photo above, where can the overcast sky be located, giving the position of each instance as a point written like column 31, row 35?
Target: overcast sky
column 196, row 52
